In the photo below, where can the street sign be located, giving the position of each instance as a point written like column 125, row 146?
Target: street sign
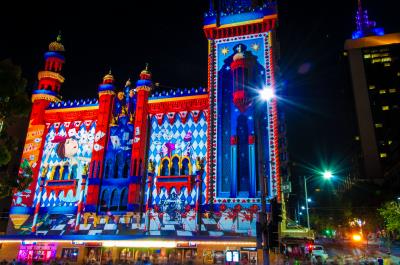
column 286, row 187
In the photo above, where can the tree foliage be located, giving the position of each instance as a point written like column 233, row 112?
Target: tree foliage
column 390, row 212
column 14, row 104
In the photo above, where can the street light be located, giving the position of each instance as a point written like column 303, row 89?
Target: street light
column 309, row 200
column 267, row 93
column 326, row 175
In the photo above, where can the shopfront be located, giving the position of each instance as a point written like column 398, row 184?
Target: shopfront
column 37, row 252
column 158, row 252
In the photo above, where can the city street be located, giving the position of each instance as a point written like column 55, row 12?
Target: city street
column 345, row 252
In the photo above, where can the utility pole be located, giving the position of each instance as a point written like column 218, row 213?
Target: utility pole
column 261, row 166
column 305, row 191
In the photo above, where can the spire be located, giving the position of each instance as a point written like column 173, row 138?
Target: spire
column 59, row 36
column 57, row 46
column 108, row 78
column 145, row 74
column 364, row 26
column 144, row 82
column 128, row 83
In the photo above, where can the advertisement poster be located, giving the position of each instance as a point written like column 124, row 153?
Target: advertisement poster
column 219, row 257
column 208, row 257
column 244, row 257
column 253, row 257
column 93, row 254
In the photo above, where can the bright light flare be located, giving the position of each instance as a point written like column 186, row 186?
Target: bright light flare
column 327, row 175
column 267, row 93
column 357, row 237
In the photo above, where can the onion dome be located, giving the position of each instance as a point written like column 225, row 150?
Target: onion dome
column 56, row 46
column 108, row 78
column 239, row 55
column 145, row 74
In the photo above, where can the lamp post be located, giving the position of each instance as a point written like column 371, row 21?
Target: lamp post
column 326, row 175
column 266, row 95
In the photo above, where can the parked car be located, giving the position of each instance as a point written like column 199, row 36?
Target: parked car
column 319, row 253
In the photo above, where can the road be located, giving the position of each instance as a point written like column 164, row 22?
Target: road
column 341, row 252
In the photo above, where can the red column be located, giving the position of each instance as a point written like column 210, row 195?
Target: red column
column 139, row 146
column 106, row 99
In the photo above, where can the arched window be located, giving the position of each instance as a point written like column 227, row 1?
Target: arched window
column 123, row 202
column 57, row 173
column 107, row 170
column 165, row 168
column 140, row 167
column 134, row 168
column 175, row 166
column 116, row 167
column 98, row 170
column 93, row 168
column 104, row 201
column 114, row 200
column 66, row 174
column 74, row 172
column 185, row 167
column 125, row 173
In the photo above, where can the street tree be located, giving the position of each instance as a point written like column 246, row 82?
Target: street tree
column 390, row 212
column 14, row 104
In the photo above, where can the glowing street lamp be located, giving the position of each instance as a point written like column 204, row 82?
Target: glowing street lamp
column 357, row 237
column 267, row 93
column 327, row 175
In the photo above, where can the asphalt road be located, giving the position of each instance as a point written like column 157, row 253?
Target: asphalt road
column 341, row 252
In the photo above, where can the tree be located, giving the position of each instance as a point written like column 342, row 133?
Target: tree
column 14, row 104
column 390, row 212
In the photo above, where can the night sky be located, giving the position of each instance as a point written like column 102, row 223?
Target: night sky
column 124, row 35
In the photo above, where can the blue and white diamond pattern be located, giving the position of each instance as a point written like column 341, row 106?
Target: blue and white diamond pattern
column 175, row 133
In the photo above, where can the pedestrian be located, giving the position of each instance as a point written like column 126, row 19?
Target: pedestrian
column 139, row 261
column 380, row 261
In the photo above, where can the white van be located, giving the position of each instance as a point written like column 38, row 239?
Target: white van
column 318, row 253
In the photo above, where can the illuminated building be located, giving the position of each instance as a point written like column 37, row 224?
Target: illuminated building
column 375, row 73
column 176, row 172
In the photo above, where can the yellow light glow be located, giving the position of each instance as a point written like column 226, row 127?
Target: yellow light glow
column 392, row 90
column 385, row 107
column 140, row 244
column 357, row 237
column 382, row 155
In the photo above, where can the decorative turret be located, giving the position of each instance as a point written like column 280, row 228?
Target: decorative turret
column 143, row 87
column 105, row 117
column 145, row 80
column 50, row 79
column 365, row 27
column 107, row 87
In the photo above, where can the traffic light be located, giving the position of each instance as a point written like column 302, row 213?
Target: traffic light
column 276, row 211
column 273, row 225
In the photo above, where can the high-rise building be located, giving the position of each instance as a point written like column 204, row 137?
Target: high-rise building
column 174, row 175
column 374, row 59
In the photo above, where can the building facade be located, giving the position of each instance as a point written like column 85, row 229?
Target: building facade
column 375, row 74
column 138, row 172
